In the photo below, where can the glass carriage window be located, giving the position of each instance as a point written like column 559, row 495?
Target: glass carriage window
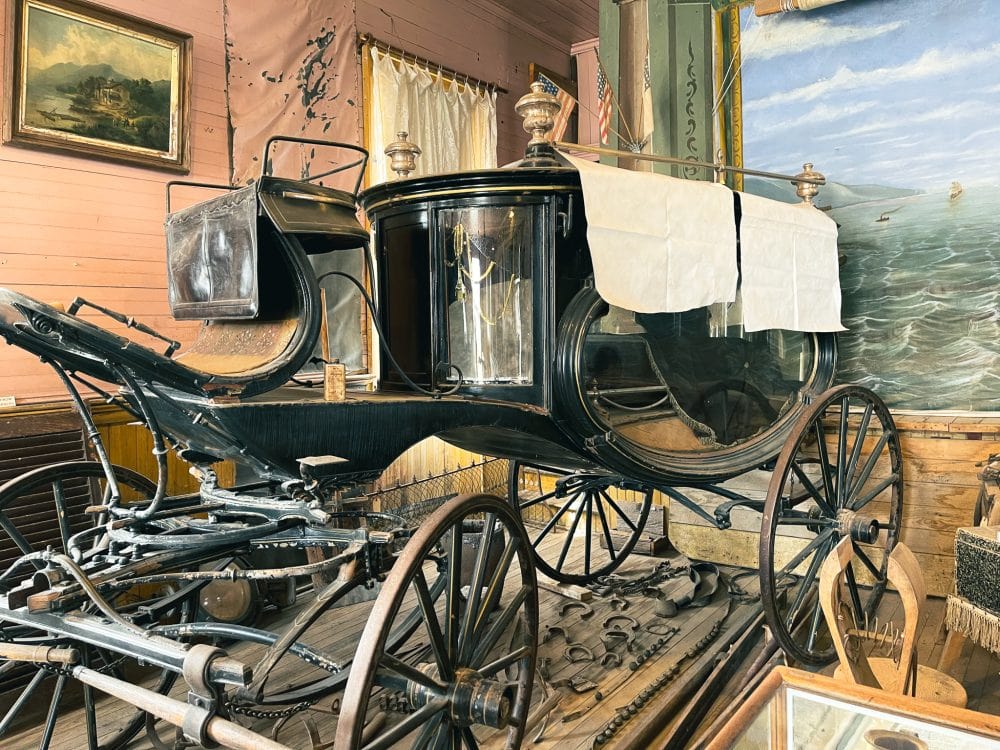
column 693, row 380
column 487, row 256
column 406, row 303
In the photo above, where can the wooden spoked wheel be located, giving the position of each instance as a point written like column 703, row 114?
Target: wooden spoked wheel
column 839, row 474
column 30, row 505
column 562, row 519
column 472, row 661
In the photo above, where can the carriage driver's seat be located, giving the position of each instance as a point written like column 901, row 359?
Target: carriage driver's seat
column 239, row 262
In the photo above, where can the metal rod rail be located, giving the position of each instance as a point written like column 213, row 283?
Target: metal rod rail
column 564, row 146
column 401, row 54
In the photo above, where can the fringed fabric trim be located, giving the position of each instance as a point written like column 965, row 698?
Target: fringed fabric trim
column 981, row 625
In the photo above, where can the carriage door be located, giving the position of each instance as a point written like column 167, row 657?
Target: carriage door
column 489, row 265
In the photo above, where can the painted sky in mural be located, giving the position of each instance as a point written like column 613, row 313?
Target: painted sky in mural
column 857, row 89
column 897, row 102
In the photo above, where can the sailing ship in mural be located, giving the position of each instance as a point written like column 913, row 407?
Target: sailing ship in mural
column 883, row 105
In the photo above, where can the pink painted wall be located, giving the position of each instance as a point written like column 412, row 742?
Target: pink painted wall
column 477, row 37
column 76, row 226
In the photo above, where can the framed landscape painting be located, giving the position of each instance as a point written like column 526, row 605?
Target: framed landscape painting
column 98, row 83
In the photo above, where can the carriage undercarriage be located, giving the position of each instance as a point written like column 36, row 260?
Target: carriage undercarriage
column 146, row 597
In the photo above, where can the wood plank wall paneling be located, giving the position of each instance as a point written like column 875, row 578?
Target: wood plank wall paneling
column 478, row 38
column 131, row 445
column 940, row 467
column 72, row 226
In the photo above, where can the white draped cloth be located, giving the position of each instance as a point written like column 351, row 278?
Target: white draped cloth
column 791, row 277
column 658, row 243
column 454, row 125
column 661, row 244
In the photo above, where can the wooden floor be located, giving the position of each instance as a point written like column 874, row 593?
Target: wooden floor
column 976, row 669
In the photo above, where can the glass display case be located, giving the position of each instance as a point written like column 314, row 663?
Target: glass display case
column 796, row 709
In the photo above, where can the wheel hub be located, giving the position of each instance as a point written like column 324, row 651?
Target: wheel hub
column 861, row 528
column 473, row 699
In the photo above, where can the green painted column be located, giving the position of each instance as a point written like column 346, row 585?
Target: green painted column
column 610, row 28
column 681, row 72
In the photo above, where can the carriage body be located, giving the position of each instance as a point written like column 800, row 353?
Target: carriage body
column 494, row 339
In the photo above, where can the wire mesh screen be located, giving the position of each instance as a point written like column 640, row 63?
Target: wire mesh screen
column 416, row 500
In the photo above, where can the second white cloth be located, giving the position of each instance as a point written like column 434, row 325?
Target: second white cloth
column 658, row 243
column 791, row 276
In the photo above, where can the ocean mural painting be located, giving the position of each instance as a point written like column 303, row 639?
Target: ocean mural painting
column 897, row 102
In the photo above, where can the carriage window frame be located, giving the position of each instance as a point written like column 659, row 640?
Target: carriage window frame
column 543, row 242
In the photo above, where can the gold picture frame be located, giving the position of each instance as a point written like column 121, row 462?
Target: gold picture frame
column 93, row 82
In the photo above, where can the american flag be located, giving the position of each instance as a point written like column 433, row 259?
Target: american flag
column 603, row 103
column 566, row 104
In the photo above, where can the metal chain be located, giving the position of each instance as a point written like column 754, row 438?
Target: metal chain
column 626, row 713
column 256, row 713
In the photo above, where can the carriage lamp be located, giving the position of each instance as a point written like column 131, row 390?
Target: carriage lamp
column 402, row 155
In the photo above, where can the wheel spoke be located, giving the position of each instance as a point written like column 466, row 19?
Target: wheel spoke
column 859, row 443
column 621, row 514
column 870, row 462
column 90, row 710
column 804, row 521
column 409, row 672
column 861, row 502
column 496, row 584
column 407, row 725
column 536, row 500
column 810, row 488
column 17, row 537
column 438, row 645
column 22, row 699
column 59, row 496
column 429, row 734
column 817, row 540
column 469, row 739
column 588, row 529
column 504, row 661
column 814, row 625
column 53, row 716
column 500, row 624
column 453, row 601
column 852, row 589
column 845, row 411
column 553, row 521
column 568, row 542
column 824, row 464
column 476, row 584
column 867, row 562
column 807, row 581
column 606, row 530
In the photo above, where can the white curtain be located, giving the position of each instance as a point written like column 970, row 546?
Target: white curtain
column 454, row 125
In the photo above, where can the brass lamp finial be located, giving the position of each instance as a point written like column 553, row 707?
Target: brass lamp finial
column 538, row 110
column 808, row 190
column 402, row 155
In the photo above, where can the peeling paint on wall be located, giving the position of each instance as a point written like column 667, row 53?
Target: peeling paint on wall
column 284, row 82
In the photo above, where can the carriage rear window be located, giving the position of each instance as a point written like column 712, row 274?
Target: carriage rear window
column 487, row 254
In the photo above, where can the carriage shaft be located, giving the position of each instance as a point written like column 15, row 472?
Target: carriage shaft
column 151, row 649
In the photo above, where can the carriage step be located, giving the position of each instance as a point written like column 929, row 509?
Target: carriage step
column 320, row 467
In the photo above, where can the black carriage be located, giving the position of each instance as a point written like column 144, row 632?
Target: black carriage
column 493, row 338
